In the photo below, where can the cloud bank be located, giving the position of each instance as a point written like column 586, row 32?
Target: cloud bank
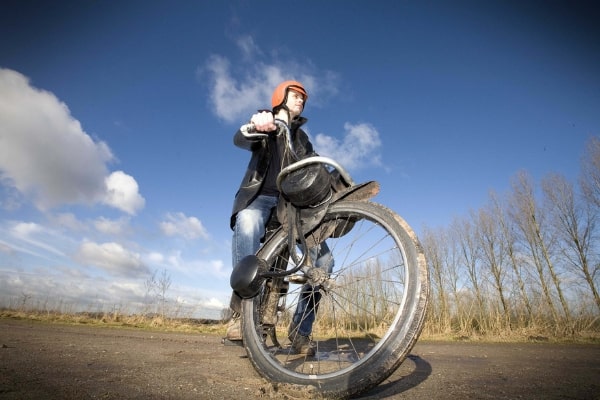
column 358, row 148
column 47, row 156
column 237, row 90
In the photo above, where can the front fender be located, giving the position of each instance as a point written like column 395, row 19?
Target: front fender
column 360, row 192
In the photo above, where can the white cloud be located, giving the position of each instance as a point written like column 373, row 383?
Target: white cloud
column 175, row 260
column 181, row 225
column 36, row 236
column 48, row 157
column 122, row 193
column 71, row 290
column 68, row 221
column 359, row 148
column 234, row 100
column 112, row 258
column 238, row 89
column 230, row 99
column 248, row 47
column 55, row 288
column 6, row 248
column 44, row 150
column 23, row 230
column 155, row 257
column 10, row 198
column 213, row 304
column 111, row 226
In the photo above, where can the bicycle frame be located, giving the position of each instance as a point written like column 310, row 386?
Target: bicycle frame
column 250, row 273
column 334, row 252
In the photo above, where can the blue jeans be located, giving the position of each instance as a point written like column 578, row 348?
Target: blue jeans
column 249, row 228
column 308, row 301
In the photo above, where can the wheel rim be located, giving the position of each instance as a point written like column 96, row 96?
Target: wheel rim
column 367, row 305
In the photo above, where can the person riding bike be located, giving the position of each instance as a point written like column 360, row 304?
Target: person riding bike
column 257, row 199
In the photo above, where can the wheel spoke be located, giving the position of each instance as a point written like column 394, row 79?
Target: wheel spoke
column 359, row 306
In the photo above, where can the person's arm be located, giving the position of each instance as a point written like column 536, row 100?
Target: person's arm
column 263, row 122
column 243, row 142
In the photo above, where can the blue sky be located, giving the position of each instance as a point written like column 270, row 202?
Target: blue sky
column 116, row 123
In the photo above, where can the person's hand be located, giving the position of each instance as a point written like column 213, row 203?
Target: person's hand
column 264, row 121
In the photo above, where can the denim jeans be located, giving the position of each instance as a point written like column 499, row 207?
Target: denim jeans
column 249, row 228
column 308, row 301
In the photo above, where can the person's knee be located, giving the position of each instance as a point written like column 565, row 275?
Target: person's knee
column 247, row 222
column 325, row 261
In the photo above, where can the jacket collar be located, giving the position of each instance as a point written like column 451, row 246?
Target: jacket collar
column 297, row 123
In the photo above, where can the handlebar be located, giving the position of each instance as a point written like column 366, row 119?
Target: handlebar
column 250, row 132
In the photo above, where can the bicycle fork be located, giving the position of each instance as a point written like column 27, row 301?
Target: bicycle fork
column 273, row 305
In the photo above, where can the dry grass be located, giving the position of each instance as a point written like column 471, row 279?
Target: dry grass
column 157, row 323
column 217, row 327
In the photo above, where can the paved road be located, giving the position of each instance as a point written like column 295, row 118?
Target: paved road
column 49, row 361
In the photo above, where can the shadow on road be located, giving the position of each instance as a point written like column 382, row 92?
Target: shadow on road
column 399, row 383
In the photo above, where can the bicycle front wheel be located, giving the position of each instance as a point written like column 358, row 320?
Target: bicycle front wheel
column 364, row 316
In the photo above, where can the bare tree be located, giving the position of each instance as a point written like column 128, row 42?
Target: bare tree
column 590, row 185
column 439, row 307
column 508, row 237
column 157, row 287
column 526, row 215
column 575, row 224
column 458, row 310
column 493, row 252
column 516, row 259
column 25, row 297
column 463, row 230
column 590, row 172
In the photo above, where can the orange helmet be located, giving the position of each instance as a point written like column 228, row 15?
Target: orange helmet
column 280, row 92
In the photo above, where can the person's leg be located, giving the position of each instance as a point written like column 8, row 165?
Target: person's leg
column 248, row 230
column 250, row 227
column 308, row 303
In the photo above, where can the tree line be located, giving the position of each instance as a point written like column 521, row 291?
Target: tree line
column 527, row 262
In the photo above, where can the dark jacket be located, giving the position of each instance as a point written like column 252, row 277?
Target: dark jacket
column 258, row 166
